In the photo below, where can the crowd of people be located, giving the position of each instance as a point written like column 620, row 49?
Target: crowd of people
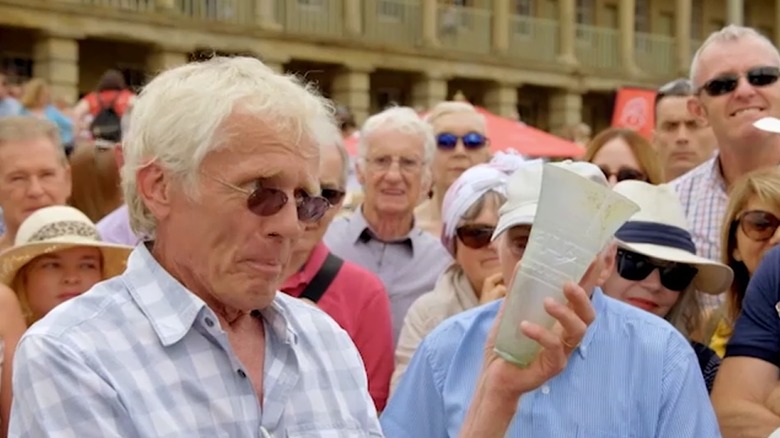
column 184, row 263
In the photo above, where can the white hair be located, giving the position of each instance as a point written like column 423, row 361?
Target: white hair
column 181, row 116
column 448, row 107
column 398, row 118
column 730, row 33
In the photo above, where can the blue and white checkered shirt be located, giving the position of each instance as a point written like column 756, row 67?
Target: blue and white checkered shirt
column 141, row 356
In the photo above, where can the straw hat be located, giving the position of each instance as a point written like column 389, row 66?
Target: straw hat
column 55, row 228
column 660, row 230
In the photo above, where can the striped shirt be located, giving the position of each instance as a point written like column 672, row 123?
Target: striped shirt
column 703, row 194
column 633, row 376
column 141, row 356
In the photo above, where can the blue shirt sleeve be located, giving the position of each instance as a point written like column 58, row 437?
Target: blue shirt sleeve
column 757, row 330
column 416, row 408
column 686, row 410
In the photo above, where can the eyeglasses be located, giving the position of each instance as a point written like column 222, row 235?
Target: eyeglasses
column 636, row 267
column 475, row 236
column 334, row 196
column 624, row 173
column 449, row 141
column 383, row 164
column 757, row 77
column 267, row 201
column 758, row 225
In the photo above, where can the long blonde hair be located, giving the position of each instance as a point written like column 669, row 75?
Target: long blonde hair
column 765, row 185
column 640, row 147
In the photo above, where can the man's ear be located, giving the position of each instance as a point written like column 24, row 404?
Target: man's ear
column 696, row 108
column 153, row 186
column 609, row 259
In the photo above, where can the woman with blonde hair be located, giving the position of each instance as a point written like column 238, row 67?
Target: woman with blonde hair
column 36, row 101
column 750, row 229
column 461, row 142
column 57, row 256
column 622, row 154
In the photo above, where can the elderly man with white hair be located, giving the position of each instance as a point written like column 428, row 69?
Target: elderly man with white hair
column 193, row 339
column 394, row 155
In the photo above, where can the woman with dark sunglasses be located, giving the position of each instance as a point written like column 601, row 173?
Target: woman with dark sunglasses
column 461, row 142
column 623, row 154
column 750, row 229
column 656, row 267
column 470, row 214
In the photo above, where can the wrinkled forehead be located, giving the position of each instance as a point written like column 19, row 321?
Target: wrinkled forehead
column 734, row 57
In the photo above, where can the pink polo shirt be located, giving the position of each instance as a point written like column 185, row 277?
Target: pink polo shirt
column 358, row 302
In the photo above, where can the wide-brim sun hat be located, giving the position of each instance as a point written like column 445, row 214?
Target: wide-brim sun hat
column 57, row 228
column 660, row 230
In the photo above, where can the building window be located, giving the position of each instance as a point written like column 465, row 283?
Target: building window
column 135, row 77
column 642, row 16
column 391, row 9
column 524, row 7
column 17, row 68
column 585, row 12
column 312, row 3
column 697, row 12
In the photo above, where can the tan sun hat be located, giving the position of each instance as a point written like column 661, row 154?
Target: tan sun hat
column 53, row 229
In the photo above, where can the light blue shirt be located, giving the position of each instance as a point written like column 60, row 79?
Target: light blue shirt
column 10, row 107
column 141, row 356
column 633, row 376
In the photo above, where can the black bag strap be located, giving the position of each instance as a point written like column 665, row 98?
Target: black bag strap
column 323, row 278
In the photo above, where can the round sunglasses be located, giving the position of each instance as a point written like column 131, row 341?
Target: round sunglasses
column 725, row 84
column 471, row 140
column 636, row 267
column 475, row 236
column 758, row 225
column 624, row 173
column 267, row 201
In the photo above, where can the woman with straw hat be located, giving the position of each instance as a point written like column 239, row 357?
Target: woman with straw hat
column 57, row 255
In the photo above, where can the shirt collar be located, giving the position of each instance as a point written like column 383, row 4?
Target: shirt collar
column 715, row 175
column 310, row 268
column 599, row 303
column 172, row 309
column 360, row 231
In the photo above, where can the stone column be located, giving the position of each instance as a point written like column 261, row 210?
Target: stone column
column 683, row 35
column 353, row 17
column 57, row 61
column 430, row 23
column 501, row 14
column 164, row 5
column 428, row 90
column 501, row 99
column 567, row 31
column 735, row 13
column 628, row 36
column 565, row 110
column 265, row 14
column 164, row 58
column 352, row 87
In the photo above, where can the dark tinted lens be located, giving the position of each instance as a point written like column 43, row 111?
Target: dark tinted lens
column 266, row 201
column 474, row 140
column 633, row 266
column 678, row 276
column 763, row 76
column 334, row 196
column 446, row 141
column 475, row 236
column 626, row 173
column 312, row 208
column 722, row 85
column 759, row 225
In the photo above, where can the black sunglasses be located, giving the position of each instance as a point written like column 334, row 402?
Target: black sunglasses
column 334, row 196
column 471, row 140
column 758, row 225
column 757, row 77
column 475, row 236
column 266, row 201
column 624, row 173
column 636, row 267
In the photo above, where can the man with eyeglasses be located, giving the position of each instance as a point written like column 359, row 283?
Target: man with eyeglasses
column 734, row 75
column 683, row 140
column 354, row 297
column 220, row 172
column 394, row 155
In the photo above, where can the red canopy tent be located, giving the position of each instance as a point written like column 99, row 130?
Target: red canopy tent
column 506, row 134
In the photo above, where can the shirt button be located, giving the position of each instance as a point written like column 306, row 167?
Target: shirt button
column 241, row 373
column 209, row 322
column 545, row 389
column 583, row 348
